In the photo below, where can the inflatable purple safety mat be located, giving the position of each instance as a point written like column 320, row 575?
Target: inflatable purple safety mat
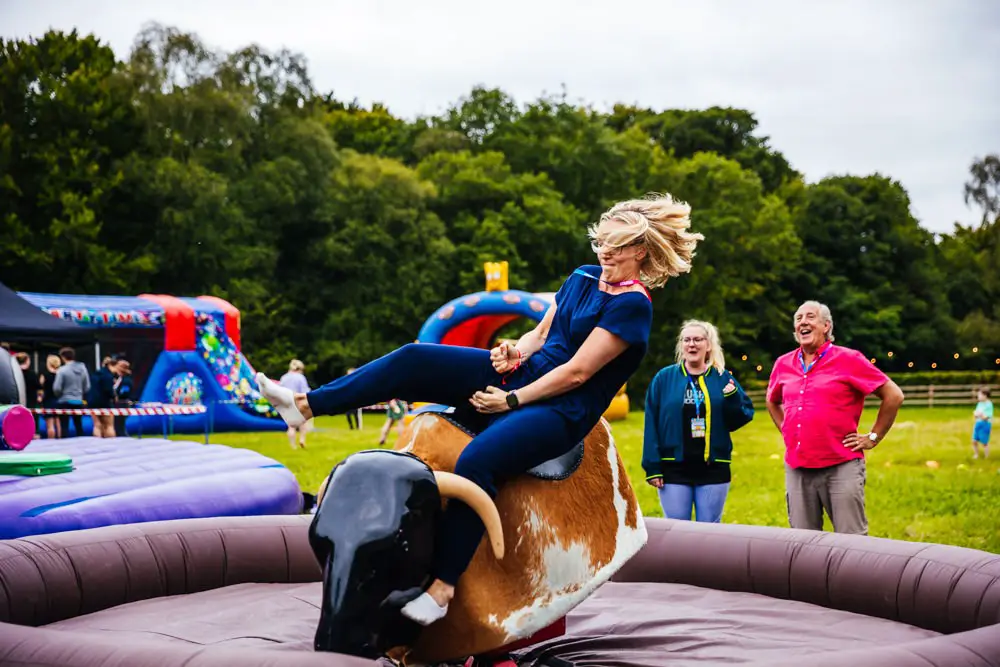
column 127, row 480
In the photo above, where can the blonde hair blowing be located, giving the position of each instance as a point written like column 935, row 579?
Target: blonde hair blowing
column 661, row 224
column 296, row 365
column 715, row 357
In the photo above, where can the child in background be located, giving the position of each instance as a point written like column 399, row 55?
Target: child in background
column 984, row 424
column 393, row 415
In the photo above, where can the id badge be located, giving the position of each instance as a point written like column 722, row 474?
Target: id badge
column 698, row 428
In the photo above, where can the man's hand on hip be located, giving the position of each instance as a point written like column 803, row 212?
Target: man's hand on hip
column 857, row 442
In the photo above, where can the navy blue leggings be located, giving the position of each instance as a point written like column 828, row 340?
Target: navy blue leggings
column 513, row 443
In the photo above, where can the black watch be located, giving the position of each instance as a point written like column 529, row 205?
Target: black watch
column 512, row 401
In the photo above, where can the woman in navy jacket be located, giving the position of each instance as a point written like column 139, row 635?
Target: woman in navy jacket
column 691, row 409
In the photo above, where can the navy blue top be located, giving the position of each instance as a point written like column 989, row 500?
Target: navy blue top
column 580, row 307
column 102, row 389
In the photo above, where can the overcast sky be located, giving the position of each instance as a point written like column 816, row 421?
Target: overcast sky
column 907, row 88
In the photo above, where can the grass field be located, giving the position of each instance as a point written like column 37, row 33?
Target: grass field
column 957, row 502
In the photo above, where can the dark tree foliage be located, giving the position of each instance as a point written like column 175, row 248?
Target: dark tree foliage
column 338, row 229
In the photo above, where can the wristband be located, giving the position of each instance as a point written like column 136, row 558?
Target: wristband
column 517, row 364
column 503, row 380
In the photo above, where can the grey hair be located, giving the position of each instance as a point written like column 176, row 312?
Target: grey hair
column 824, row 314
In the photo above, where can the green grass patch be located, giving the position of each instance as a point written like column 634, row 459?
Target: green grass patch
column 956, row 503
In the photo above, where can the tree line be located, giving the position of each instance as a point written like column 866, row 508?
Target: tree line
column 337, row 228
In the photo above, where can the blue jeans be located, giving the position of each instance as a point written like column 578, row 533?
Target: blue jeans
column 513, row 442
column 77, row 419
column 707, row 500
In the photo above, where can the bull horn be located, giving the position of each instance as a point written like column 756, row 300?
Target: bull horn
column 455, row 486
column 322, row 490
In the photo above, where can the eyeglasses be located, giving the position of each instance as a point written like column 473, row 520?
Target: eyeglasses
column 599, row 246
column 693, row 339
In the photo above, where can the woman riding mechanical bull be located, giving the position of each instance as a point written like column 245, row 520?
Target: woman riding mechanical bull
column 541, row 396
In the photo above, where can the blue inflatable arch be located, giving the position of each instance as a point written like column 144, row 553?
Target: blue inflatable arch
column 474, row 320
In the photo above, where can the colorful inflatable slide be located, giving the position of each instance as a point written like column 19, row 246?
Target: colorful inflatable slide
column 184, row 351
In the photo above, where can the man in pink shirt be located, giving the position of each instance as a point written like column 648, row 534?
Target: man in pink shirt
column 815, row 397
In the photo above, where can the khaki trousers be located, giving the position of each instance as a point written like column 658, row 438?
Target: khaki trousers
column 839, row 489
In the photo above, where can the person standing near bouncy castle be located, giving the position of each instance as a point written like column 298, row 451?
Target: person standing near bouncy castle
column 32, row 382
column 295, row 380
column 692, row 407
column 71, row 386
column 815, row 397
column 122, row 369
column 31, row 379
column 47, row 383
column 102, row 395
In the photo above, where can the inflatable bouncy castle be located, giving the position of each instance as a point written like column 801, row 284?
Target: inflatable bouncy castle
column 184, row 351
column 474, row 320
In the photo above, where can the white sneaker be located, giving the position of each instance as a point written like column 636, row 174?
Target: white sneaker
column 424, row 610
column 283, row 400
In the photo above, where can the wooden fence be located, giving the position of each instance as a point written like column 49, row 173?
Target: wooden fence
column 927, row 396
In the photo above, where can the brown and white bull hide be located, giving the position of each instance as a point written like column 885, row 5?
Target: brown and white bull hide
column 562, row 539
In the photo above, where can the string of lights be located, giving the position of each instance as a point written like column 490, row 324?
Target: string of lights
column 911, row 364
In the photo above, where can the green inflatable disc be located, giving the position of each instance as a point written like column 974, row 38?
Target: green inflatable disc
column 29, row 464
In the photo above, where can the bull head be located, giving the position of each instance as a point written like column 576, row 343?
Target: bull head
column 373, row 536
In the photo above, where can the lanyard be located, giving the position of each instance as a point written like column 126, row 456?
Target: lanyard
column 624, row 283
column 802, row 360
column 694, row 394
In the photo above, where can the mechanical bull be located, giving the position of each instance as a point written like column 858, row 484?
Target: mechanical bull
column 553, row 535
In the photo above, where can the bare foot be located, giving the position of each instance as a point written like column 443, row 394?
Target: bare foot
column 302, row 403
column 441, row 592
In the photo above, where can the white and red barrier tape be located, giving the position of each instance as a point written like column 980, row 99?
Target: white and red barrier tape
column 374, row 407
column 125, row 412
column 151, row 410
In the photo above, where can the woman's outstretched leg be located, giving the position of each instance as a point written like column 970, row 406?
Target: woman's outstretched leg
column 445, row 374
